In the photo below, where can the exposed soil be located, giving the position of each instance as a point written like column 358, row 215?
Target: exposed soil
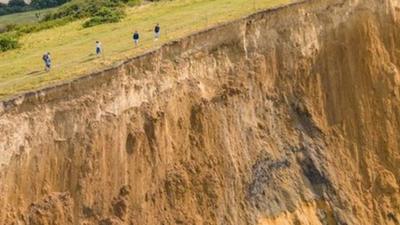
column 290, row 117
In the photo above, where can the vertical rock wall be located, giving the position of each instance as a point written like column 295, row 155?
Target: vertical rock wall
column 290, row 116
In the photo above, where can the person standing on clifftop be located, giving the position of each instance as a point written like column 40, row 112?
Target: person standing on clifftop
column 136, row 38
column 98, row 48
column 157, row 31
column 47, row 61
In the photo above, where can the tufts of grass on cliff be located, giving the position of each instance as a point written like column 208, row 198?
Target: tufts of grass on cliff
column 72, row 46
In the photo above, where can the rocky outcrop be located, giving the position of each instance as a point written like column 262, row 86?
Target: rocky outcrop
column 289, row 116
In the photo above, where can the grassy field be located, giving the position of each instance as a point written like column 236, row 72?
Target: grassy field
column 72, row 47
column 23, row 18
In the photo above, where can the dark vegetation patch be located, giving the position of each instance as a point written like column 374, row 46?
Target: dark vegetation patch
column 7, row 42
column 104, row 15
column 78, row 9
column 18, row 6
column 14, row 6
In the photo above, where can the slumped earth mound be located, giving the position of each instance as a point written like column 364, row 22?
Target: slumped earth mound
column 290, row 116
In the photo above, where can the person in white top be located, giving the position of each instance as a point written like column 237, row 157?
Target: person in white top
column 47, row 61
column 98, row 48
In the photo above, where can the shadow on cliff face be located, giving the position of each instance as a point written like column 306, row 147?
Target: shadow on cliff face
column 265, row 172
column 281, row 184
column 320, row 184
column 304, row 120
column 274, row 187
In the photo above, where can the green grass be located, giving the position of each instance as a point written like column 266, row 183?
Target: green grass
column 72, row 46
column 23, row 18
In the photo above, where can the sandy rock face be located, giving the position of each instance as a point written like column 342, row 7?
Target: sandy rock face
column 53, row 209
column 290, row 117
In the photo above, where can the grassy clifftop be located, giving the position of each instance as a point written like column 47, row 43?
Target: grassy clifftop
column 72, row 46
column 23, row 18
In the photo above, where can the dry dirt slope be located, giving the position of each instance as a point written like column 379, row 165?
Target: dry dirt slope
column 288, row 117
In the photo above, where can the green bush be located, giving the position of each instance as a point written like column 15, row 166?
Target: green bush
column 16, row 6
column 71, row 10
column 8, row 42
column 105, row 15
column 83, row 8
column 43, row 4
column 99, row 11
column 17, row 3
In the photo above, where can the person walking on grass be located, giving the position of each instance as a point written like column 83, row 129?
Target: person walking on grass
column 157, row 31
column 47, row 61
column 99, row 50
column 136, row 38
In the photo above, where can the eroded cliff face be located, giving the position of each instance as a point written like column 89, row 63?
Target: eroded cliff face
column 290, row 116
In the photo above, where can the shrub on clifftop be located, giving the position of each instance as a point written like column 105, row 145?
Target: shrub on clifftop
column 105, row 15
column 99, row 11
column 8, row 42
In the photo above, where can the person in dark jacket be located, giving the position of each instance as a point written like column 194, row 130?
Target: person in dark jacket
column 157, row 32
column 136, row 38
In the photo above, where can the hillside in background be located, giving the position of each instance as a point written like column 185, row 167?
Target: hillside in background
column 23, row 18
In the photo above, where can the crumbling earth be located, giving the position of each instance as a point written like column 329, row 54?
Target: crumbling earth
column 290, row 116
